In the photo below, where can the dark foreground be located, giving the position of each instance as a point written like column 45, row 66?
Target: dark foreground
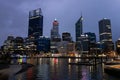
column 6, row 70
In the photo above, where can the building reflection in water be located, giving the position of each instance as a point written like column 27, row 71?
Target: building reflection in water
column 96, row 72
column 59, row 69
column 41, row 72
column 30, row 74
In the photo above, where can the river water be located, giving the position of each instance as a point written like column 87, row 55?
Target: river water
column 59, row 69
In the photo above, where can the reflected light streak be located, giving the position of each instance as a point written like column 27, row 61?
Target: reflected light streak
column 55, row 60
column 84, row 73
column 69, row 60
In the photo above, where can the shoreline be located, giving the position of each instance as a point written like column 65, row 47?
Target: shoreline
column 6, row 70
column 113, row 70
column 25, row 67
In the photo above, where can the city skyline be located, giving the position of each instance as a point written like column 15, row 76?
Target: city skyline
column 14, row 16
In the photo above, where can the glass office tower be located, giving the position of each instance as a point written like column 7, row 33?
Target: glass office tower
column 35, row 23
column 105, row 34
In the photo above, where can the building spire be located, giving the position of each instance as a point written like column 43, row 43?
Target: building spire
column 81, row 17
column 81, row 13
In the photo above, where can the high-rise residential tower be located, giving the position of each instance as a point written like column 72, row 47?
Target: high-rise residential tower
column 35, row 23
column 79, row 28
column 105, row 34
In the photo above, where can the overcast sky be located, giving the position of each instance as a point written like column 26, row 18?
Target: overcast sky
column 14, row 16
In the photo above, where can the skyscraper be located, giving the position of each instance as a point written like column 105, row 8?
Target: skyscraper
column 55, row 31
column 79, row 31
column 105, row 34
column 35, row 23
column 55, row 37
column 79, row 28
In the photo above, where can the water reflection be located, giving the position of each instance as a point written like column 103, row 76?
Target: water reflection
column 58, row 69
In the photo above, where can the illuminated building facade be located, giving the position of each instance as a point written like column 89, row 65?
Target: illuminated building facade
column 118, row 46
column 30, row 44
column 35, row 23
column 71, row 47
column 9, row 43
column 19, row 41
column 13, row 44
column 84, row 44
column 105, row 34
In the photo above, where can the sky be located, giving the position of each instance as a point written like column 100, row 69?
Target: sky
column 14, row 16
